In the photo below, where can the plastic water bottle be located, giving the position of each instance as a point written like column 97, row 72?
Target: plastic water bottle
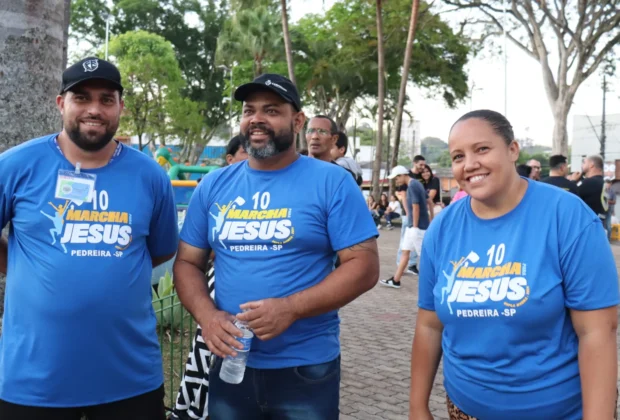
column 233, row 368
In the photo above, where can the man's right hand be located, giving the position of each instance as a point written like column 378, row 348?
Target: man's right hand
column 219, row 334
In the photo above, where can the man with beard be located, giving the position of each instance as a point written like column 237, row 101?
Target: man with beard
column 281, row 219
column 592, row 188
column 90, row 218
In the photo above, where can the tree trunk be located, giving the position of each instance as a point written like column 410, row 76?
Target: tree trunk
column 376, row 166
column 287, row 43
column 32, row 37
column 65, row 34
column 402, row 94
column 258, row 68
column 560, row 135
column 31, row 64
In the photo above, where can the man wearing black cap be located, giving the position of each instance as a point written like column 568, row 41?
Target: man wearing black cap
column 275, row 223
column 89, row 219
column 558, row 165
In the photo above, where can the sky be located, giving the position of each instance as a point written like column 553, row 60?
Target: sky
column 528, row 108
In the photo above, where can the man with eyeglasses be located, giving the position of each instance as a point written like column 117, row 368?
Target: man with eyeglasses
column 536, row 168
column 321, row 136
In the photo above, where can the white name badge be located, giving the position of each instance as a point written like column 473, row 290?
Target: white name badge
column 77, row 187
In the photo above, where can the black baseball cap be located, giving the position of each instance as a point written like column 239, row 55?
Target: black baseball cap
column 275, row 83
column 90, row 68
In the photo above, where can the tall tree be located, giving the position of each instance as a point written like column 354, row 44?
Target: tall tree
column 31, row 64
column 65, row 33
column 584, row 33
column 402, row 94
column 152, row 79
column 194, row 45
column 287, row 42
column 251, row 33
column 337, row 63
column 376, row 166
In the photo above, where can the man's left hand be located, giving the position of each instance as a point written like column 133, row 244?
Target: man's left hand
column 268, row 318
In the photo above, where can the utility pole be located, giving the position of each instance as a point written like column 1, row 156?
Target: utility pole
column 603, row 118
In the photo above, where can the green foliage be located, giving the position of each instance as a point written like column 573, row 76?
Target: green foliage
column 341, row 50
column 194, row 45
column 185, row 121
column 444, row 160
column 405, row 161
column 151, row 77
column 335, row 54
column 251, row 33
column 543, row 158
column 88, row 18
column 168, row 308
column 432, row 148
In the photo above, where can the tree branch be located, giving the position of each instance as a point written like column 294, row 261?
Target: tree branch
column 601, row 56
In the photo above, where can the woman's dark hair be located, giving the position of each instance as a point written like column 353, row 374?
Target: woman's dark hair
column 234, row 144
column 497, row 121
column 429, row 170
column 524, row 170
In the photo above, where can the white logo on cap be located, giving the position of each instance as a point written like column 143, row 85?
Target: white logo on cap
column 269, row 83
column 91, row 65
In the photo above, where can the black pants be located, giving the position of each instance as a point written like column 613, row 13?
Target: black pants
column 149, row 406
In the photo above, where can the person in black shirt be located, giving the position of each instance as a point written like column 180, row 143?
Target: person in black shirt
column 419, row 162
column 558, row 171
column 431, row 186
column 591, row 189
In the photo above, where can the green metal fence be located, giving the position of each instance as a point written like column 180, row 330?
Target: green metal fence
column 175, row 329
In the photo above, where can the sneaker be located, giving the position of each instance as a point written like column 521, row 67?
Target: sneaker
column 390, row 227
column 379, row 227
column 413, row 269
column 390, row 283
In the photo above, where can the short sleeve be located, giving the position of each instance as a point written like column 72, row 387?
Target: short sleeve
column 434, row 184
column 348, row 220
column 163, row 237
column 6, row 193
column 417, row 192
column 428, row 276
column 196, row 230
column 589, row 272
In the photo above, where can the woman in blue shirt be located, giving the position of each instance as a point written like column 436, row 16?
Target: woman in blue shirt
column 522, row 302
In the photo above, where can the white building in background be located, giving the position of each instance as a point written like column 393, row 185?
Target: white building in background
column 585, row 140
column 410, row 138
column 410, row 143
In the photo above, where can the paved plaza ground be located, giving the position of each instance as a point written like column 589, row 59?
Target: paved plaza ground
column 377, row 332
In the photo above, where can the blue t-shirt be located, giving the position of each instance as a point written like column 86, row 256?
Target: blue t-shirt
column 416, row 194
column 79, row 326
column 275, row 233
column 502, row 289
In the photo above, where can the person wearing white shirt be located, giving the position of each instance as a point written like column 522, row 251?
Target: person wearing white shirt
column 393, row 211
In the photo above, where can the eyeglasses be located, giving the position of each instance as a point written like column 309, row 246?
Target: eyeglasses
column 320, row 131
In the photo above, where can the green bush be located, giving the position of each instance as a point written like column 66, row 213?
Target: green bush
column 168, row 308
